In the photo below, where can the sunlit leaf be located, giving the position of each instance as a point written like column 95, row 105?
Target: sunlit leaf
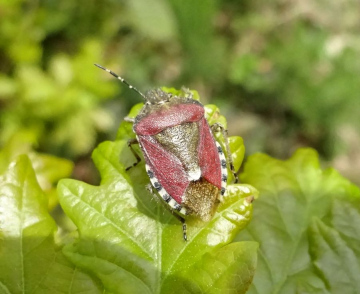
column 48, row 169
column 133, row 244
column 293, row 192
column 128, row 238
column 30, row 260
column 335, row 247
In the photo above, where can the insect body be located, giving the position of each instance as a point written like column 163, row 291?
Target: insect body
column 185, row 164
column 182, row 158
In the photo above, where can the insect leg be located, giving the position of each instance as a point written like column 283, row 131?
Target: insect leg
column 138, row 159
column 150, row 188
column 182, row 220
column 219, row 128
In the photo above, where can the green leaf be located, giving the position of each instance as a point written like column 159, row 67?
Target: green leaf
column 182, row 92
column 226, row 270
column 212, row 114
column 30, row 260
column 335, row 250
column 125, row 131
column 336, row 261
column 129, row 239
column 20, row 143
column 48, row 169
column 293, row 192
column 345, row 217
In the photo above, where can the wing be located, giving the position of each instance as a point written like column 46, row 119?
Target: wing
column 209, row 160
column 166, row 167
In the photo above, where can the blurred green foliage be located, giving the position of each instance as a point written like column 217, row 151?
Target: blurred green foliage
column 301, row 61
column 286, row 72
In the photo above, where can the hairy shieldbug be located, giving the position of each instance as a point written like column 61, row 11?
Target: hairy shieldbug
column 186, row 165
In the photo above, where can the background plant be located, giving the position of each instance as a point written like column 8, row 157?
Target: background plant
column 284, row 73
column 288, row 69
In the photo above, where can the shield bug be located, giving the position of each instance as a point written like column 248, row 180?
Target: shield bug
column 185, row 164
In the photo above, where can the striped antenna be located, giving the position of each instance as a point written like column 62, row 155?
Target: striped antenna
column 121, row 79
